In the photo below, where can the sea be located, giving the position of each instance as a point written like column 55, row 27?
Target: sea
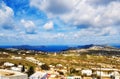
column 50, row 48
column 40, row 48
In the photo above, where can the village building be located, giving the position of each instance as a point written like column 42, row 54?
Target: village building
column 8, row 64
column 8, row 74
column 106, row 73
column 38, row 75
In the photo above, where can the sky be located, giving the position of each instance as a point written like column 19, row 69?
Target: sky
column 59, row 22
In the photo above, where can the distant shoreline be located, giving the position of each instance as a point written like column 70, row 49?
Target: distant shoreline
column 51, row 48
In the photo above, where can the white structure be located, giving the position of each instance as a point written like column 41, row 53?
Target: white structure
column 33, row 60
column 87, row 72
column 69, row 77
column 115, row 75
column 5, row 53
column 20, row 66
column 107, row 72
column 8, row 64
column 38, row 75
column 18, row 58
column 8, row 74
column 16, row 69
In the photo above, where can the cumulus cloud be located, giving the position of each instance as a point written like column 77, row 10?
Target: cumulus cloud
column 96, row 32
column 82, row 13
column 68, row 22
column 6, row 16
column 59, row 7
column 49, row 26
column 29, row 26
column 100, row 2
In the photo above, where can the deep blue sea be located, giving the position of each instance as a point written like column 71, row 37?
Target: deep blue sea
column 57, row 48
column 40, row 48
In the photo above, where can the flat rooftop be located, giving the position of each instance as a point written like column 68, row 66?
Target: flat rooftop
column 105, row 69
column 4, row 72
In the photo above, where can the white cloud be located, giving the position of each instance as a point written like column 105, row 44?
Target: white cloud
column 98, row 22
column 49, row 26
column 59, row 7
column 82, row 13
column 29, row 26
column 100, row 2
column 110, row 31
column 6, row 16
column 101, row 16
column 96, row 32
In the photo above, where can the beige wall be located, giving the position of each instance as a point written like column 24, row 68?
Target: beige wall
column 14, row 77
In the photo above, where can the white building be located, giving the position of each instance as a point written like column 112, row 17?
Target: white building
column 86, row 72
column 18, row 58
column 107, row 72
column 115, row 75
column 8, row 64
column 70, row 77
column 33, row 60
column 38, row 75
column 8, row 74
column 16, row 69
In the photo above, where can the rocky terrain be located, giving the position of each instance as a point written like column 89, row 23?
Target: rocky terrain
column 98, row 50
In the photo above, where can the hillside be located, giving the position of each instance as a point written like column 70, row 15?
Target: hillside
column 78, row 58
column 97, row 50
column 84, row 49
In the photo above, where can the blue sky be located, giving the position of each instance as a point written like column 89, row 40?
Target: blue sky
column 59, row 22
